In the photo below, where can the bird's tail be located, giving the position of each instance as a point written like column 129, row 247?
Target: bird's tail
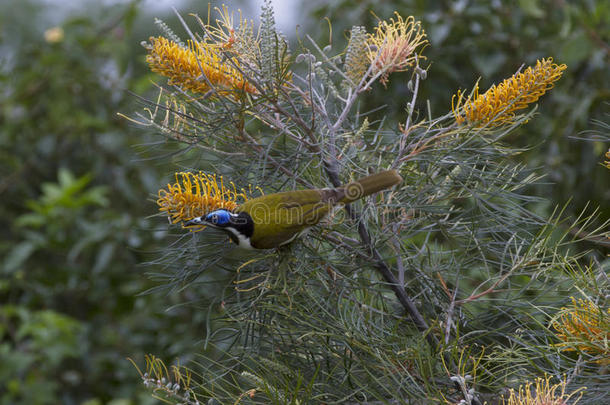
column 369, row 185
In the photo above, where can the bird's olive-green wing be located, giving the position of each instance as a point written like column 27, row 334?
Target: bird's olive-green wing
column 279, row 217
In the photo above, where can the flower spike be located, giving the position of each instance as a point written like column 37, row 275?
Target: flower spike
column 196, row 194
column 497, row 106
column 586, row 327
column 185, row 66
column 543, row 392
column 393, row 46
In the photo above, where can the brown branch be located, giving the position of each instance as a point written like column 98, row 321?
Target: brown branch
column 381, row 265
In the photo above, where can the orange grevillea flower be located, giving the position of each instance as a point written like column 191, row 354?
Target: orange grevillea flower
column 393, row 45
column 497, row 105
column 186, row 66
column 542, row 392
column 586, row 327
column 196, row 194
column 607, row 162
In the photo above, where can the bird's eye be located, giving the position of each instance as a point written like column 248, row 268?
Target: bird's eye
column 214, row 218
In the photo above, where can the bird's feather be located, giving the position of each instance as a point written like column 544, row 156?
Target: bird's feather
column 278, row 218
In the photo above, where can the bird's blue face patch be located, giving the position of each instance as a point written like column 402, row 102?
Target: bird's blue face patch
column 218, row 217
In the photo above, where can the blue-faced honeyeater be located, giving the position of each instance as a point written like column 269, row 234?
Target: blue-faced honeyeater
column 276, row 219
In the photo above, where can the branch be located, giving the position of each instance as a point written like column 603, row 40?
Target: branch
column 381, row 265
column 492, row 289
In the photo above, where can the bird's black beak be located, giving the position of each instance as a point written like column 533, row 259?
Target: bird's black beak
column 195, row 221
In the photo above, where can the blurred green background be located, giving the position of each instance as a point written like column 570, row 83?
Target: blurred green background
column 78, row 182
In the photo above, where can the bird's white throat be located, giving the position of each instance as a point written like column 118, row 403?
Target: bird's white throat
column 243, row 240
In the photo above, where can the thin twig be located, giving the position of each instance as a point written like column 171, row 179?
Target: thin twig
column 450, row 311
column 492, row 289
column 274, row 162
column 414, row 98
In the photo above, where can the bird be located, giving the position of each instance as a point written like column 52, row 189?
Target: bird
column 274, row 220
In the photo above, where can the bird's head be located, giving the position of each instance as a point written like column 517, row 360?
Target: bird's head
column 239, row 226
column 217, row 219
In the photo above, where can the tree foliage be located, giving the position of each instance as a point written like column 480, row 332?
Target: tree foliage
column 448, row 288
column 73, row 226
column 488, row 41
column 509, row 280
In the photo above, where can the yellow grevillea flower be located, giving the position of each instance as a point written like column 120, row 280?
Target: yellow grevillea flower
column 239, row 37
column 607, row 162
column 542, row 393
column 54, row 35
column 185, row 66
column 196, row 194
column 162, row 379
column 393, row 45
column 586, row 327
column 497, row 105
